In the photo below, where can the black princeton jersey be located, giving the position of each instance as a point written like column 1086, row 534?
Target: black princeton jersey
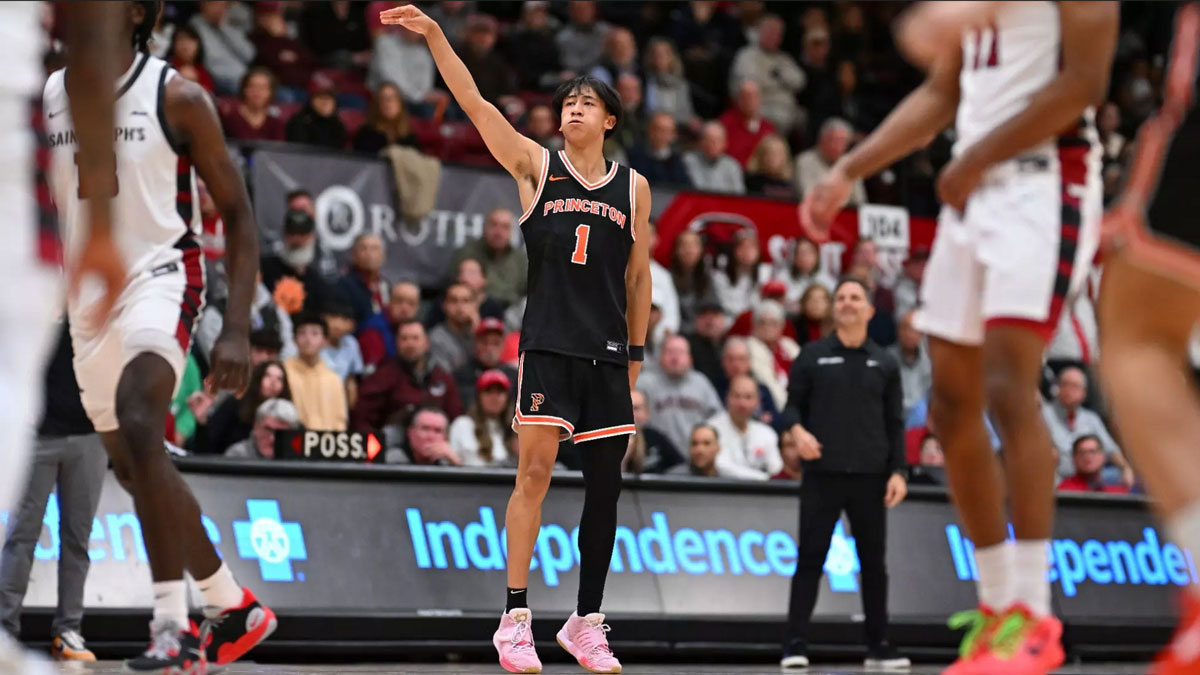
column 578, row 238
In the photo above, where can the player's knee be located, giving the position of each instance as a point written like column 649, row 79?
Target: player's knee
column 1010, row 399
column 534, row 478
column 950, row 403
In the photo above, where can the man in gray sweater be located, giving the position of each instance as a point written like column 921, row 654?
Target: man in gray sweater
column 679, row 396
column 709, row 168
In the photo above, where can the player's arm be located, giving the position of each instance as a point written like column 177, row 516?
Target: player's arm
column 933, row 28
column 1089, row 38
column 520, row 156
column 911, row 125
column 194, row 125
column 637, row 276
column 92, row 33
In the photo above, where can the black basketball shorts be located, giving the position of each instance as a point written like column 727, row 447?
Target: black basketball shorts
column 586, row 399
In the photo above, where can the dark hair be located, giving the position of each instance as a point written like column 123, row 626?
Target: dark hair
column 1085, row 437
column 338, row 307
column 796, row 249
column 143, row 32
column 298, row 192
column 248, row 406
column 396, row 129
column 731, row 267
column 309, row 319
column 851, row 279
column 704, row 425
column 404, row 324
column 253, row 71
column 189, row 32
column 606, row 94
column 696, row 281
column 268, row 339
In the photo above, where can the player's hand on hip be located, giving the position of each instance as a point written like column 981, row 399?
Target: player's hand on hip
column 897, row 490
column 810, row 448
column 408, row 16
column 823, row 202
column 958, row 180
column 101, row 259
column 230, row 365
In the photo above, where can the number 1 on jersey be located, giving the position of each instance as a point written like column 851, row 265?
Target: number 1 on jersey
column 579, row 257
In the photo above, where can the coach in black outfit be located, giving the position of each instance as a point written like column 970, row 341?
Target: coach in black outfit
column 844, row 391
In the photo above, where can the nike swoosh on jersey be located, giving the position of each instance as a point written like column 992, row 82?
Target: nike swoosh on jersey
column 55, row 114
column 558, row 177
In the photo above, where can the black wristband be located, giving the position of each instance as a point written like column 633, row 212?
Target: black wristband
column 637, row 352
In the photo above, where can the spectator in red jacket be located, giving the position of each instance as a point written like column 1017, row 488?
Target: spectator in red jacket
column 401, row 385
column 290, row 59
column 744, row 124
column 252, row 119
column 1088, row 457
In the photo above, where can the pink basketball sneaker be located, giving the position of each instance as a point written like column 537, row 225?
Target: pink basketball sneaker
column 514, row 642
column 584, row 637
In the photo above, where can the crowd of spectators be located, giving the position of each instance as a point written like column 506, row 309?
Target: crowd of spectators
column 748, row 98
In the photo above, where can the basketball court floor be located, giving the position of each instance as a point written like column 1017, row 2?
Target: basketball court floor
column 112, row 667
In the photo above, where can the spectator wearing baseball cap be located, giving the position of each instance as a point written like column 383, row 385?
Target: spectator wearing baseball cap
column 485, row 357
column 484, row 435
column 707, row 337
column 273, row 415
column 317, row 123
column 299, row 254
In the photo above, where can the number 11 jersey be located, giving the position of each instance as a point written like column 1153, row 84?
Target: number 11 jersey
column 578, row 236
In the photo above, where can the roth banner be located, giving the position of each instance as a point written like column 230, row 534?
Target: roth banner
column 416, row 540
column 778, row 225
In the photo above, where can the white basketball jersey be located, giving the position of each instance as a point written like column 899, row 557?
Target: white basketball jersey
column 22, row 42
column 153, row 209
column 1004, row 65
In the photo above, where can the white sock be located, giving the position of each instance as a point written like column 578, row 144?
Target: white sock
column 1030, row 564
column 995, row 565
column 170, row 602
column 221, row 591
column 1184, row 529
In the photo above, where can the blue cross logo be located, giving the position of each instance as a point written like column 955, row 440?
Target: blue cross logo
column 269, row 540
column 841, row 563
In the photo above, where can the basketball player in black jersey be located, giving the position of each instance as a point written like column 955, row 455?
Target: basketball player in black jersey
column 587, row 232
column 1148, row 310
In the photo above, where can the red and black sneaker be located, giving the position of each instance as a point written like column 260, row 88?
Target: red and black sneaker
column 229, row 635
column 173, row 650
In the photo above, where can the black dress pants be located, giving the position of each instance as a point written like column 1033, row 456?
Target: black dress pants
column 823, row 497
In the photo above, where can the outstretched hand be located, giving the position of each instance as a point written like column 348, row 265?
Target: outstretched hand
column 101, row 259
column 823, row 202
column 410, row 17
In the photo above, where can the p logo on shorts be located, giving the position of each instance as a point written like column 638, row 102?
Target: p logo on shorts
column 536, row 400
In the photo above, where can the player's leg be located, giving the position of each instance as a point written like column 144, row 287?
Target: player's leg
column 602, row 436
column 1146, row 321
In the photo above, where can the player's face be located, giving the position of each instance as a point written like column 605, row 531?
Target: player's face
column 584, row 117
column 272, row 383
